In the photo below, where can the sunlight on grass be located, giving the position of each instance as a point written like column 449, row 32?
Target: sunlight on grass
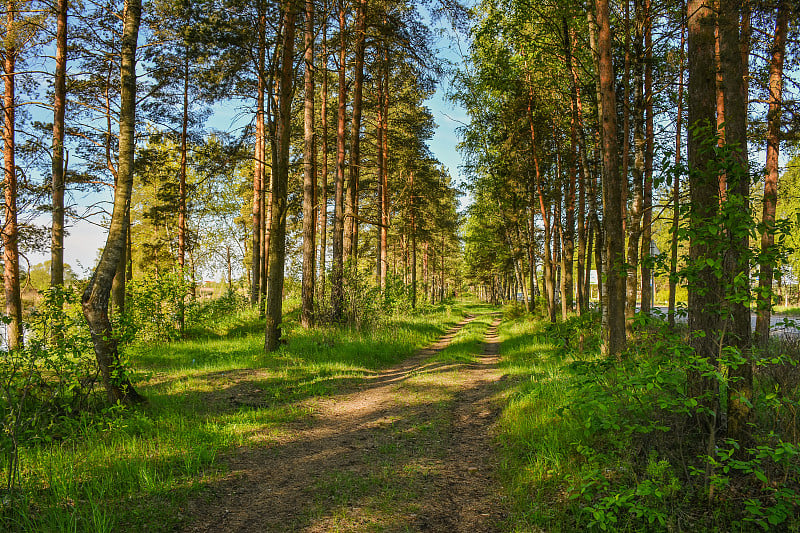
column 205, row 397
column 538, row 451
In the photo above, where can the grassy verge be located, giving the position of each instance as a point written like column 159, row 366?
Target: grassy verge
column 134, row 469
column 625, row 444
column 537, row 444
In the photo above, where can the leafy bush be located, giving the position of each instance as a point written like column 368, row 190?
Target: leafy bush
column 48, row 382
column 640, row 412
column 154, row 306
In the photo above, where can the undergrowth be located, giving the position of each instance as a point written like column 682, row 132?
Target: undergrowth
column 621, row 445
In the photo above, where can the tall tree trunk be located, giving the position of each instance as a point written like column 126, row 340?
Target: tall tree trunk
column 637, row 175
column 413, row 238
column 703, row 179
column 10, row 229
column 309, row 176
column 626, row 114
column 737, row 264
column 182, row 184
column 280, row 184
column 59, row 167
column 676, row 191
column 258, row 164
column 580, row 164
column 571, row 188
column 647, row 205
column 734, row 74
column 768, row 264
column 323, row 204
column 337, row 271
column 95, row 298
column 384, row 173
column 614, row 338
column 544, row 209
column 183, row 164
column 351, row 220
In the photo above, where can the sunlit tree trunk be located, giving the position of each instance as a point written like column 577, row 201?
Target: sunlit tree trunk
column 280, row 184
column 647, row 199
column 703, row 179
column 614, row 338
column 638, row 171
column 767, row 266
column 309, row 175
column 59, row 166
column 384, row 199
column 351, row 221
column 337, row 271
column 323, row 203
column 676, row 192
column 95, row 297
column 10, row 229
column 258, row 164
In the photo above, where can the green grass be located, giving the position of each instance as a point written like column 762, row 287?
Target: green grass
column 134, row 469
column 538, row 454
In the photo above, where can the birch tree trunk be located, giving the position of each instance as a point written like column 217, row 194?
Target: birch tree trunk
column 96, row 296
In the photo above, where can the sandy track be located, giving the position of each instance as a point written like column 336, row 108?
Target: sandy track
column 414, row 478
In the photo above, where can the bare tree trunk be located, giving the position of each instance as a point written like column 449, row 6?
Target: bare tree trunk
column 614, row 341
column 384, row 200
column 337, row 272
column 59, row 166
column 323, row 204
column 95, row 297
column 544, row 209
column 10, row 229
column 351, row 220
column 309, row 176
column 280, row 184
column 767, row 266
column 703, row 179
column 734, row 73
column 676, row 192
column 258, row 164
column 647, row 206
column 637, row 176
column 737, row 263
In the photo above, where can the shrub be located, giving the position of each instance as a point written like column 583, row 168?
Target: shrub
column 48, row 382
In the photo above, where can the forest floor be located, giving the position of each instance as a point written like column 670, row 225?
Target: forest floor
column 412, row 448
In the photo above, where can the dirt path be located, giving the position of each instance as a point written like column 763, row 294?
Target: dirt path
column 411, row 450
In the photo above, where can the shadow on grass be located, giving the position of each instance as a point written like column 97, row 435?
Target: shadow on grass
column 385, row 463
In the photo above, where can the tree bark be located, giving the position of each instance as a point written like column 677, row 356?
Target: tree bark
column 384, row 200
column 703, row 178
column 337, row 271
column 10, row 229
column 258, row 164
column 738, row 196
column 638, row 173
column 95, row 298
column 351, row 218
column 59, row 167
column 280, row 184
column 614, row 338
column 323, row 204
column 676, row 192
column 774, row 115
column 647, row 206
column 736, row 263
column 309, row 176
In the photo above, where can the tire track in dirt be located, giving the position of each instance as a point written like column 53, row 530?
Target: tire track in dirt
column 446, row 480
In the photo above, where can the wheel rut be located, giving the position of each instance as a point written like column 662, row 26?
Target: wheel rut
column 411, row 449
